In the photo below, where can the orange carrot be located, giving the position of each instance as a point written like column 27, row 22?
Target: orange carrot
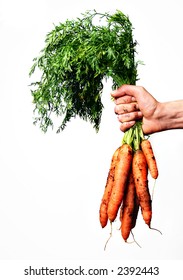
column 128, row 208
column 140, row 172
column 122, row 170
column 150, row 158
column 135, row 211
column 107, row 192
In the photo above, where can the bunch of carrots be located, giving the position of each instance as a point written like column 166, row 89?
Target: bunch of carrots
column 126, row 189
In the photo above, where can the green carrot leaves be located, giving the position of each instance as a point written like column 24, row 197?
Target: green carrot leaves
column 77, row 56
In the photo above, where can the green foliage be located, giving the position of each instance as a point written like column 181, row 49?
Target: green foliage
column 77, row 56
column 134, row 136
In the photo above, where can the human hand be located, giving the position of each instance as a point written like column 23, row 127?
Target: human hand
column 133, row 103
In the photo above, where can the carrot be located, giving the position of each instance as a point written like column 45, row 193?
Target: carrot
column 135, row 211
column 150, row 158
column 128, row 208
column 122, row 170
column 107, row 192
column 140, row 172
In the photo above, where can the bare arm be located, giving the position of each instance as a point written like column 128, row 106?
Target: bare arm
column 135, row 102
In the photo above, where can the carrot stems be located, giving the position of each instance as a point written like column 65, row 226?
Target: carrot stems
column 134, row 136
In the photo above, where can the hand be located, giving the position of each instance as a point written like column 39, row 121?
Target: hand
column 134, row 103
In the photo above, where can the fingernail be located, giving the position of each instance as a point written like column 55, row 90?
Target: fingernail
column 113, row 92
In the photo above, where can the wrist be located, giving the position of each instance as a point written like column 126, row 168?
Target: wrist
column 170, row 115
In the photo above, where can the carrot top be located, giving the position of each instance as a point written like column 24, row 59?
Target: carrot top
column 78, row 54
column 134, row 136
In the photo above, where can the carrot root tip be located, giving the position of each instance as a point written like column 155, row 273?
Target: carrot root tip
column 110, row 235
column 135, row 239
column 156, row 230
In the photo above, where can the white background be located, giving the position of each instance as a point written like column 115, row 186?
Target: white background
column 51, row 184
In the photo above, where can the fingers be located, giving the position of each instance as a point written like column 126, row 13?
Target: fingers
column 122, row 108
column 127, row 111
column 127, row 120
column 126, row 125
column 124, row 99
column 132, row 103
column 126, row 90
column 128, row 117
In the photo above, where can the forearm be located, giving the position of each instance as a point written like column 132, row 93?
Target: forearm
column 170, row 115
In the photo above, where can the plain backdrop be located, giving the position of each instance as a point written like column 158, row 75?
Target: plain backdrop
column 51, row 184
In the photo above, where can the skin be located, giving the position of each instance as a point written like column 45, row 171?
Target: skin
column 135, row 102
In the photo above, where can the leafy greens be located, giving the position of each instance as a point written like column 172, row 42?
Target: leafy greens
column 77, row 56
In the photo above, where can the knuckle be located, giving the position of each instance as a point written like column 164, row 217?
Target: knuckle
column 116, row 110
column 127, row 99
column 127, row 117
column 122, row 128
